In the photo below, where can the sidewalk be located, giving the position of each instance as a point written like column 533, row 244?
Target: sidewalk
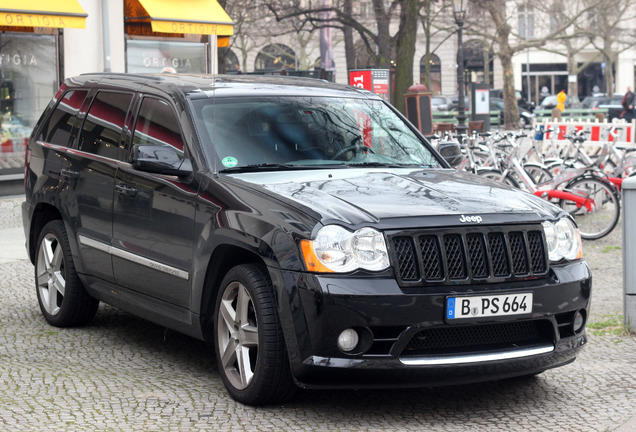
column 12, row 243
column 123, row 373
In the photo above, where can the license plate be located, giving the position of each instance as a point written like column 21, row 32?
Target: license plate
column 488, row 306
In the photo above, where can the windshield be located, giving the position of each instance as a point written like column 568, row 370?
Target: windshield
column 302, row 132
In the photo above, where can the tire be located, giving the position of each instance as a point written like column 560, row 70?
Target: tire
column 63, row 300
column 606, row 211
column 495, row 175
column 248, row 339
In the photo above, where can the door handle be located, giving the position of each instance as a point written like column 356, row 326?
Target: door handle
column 126, row 190
column 69, row 174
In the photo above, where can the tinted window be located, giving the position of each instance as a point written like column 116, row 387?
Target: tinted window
column 157, row 124
column 307, row 131
column 101, row 133
column 59, row 126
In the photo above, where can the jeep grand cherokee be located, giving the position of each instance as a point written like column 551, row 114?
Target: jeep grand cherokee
column 306, row 229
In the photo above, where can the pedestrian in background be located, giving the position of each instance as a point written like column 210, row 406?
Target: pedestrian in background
column 561, row 97
column 628, row 105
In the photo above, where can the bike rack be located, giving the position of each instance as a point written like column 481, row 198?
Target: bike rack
column 629, row 252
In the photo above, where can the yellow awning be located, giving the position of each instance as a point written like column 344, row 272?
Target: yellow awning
column 41, row 13
column 191, row 17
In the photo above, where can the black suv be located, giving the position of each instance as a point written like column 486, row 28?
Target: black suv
column 305, row 228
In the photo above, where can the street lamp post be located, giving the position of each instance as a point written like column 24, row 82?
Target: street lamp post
column 459, row 10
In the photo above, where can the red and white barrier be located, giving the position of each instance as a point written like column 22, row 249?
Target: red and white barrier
column 598, row 133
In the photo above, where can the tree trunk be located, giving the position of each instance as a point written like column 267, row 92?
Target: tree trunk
column 486, row 54
column 383, row 39
column 573, row 87
column 350, row 50
column 496, row 9
column 511, row 110
column 405, row 45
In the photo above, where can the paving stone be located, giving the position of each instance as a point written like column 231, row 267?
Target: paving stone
column 121, row 373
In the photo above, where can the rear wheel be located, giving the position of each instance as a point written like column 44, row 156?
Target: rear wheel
column 250, row 350
column 603, row 217
column 63, row 300
column 497, row 175
column 539, row 174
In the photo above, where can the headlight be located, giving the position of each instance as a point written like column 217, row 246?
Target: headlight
column 336, row 249
column 563, row 239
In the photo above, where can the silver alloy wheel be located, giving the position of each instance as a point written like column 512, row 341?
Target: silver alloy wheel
column 50, row 274
column 237, row 335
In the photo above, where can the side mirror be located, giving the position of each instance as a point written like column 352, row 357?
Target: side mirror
column 160, row 160
column 451, row 152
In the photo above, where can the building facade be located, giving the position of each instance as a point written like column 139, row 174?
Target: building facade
column 43, row 42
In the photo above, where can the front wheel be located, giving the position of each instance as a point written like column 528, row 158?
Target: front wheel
column 250, row 349
column 603, row 217
column 63, row 300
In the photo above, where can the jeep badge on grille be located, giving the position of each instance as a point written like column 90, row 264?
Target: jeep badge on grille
column 465, row 219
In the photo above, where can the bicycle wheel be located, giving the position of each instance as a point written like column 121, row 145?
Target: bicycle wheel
column 495, row 175
column 603, row 217
column 538, row 173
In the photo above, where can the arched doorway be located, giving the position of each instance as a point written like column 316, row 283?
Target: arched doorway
column 275, row 57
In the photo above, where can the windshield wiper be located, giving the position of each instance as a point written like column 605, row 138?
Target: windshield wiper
column 390, row 165
column 273, row 167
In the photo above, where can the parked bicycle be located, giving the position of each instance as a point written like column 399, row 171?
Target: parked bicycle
column 591, row 199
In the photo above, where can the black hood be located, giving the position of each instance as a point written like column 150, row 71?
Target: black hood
column 358, row 196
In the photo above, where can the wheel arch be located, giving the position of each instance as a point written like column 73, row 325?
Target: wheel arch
column 42, row 214
column 224, row 257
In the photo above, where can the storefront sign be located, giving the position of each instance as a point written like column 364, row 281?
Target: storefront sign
column 190, row 28
column 35, row 20
column 18, row 59
column 175, row 62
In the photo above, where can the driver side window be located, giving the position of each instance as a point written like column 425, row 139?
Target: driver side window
column 157, row 124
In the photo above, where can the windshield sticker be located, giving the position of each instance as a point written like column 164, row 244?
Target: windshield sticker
column 229, row 162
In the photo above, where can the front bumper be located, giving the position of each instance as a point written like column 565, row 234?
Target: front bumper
column 406, row 340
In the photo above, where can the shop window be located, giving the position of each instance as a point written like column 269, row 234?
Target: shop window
column 102, row 129
column 157, row 124
column 28, row 81
column 59, row 126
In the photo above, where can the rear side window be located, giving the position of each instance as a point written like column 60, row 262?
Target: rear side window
column 59, row 126
column 102, row 129
column 157, row 124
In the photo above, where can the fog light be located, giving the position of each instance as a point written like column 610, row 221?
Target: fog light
column 348, row 340
column 578, row 322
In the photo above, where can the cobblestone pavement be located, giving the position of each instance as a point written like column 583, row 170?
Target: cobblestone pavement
column 123, row 374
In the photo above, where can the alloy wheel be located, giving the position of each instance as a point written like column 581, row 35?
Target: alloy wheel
column 50, row 276
column 237, row 335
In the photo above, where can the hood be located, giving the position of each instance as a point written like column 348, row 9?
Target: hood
column 357, row 196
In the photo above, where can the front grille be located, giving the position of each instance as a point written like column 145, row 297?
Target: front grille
column 469, row 255
column 478, row 338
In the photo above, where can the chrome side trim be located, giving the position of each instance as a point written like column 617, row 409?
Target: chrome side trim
column 137, row 259
column 476, row 358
